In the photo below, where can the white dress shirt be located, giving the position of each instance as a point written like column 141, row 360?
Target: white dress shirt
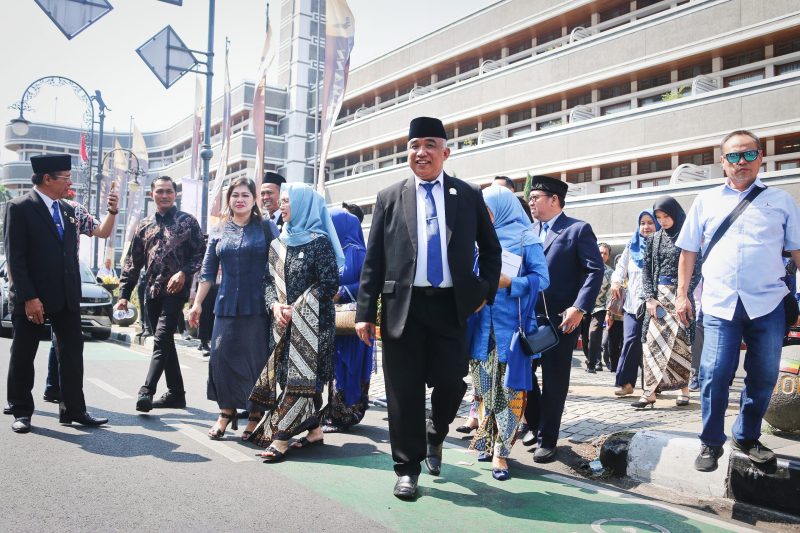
column 543, row 234
column 628, row 270
column 48, row 202
column 421, row 275
column 746, row 263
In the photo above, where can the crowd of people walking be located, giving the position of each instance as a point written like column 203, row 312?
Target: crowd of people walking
column 465, row 283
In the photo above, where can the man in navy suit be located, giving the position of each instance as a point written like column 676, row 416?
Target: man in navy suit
column 419, row 261
column 576, row 274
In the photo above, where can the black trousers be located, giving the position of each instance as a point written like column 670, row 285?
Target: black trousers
column 66, row 325
column 592, row 338
column 164, row 313
column 546, row 401
column 432, row 351
column 140, row 290
column 612, row 344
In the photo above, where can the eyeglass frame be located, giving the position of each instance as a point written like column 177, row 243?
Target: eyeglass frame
column 543, row 195
column 742, row 155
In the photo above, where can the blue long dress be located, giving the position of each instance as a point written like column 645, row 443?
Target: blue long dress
column 348, row 393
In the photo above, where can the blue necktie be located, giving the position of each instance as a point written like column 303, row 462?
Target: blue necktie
column 435, row 272
column 57, row 220
column 543, row 231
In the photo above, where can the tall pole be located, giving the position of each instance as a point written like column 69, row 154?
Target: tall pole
column 316, row 95
column 99, row 178
column 206, row 152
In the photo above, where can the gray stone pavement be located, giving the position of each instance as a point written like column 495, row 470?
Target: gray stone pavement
column 591, row 412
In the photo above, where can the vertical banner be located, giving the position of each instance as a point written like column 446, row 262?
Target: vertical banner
column 135, row 196
column 259, row 104
column 215, row 197
column 339, row 31
column 118, row 174
column 196, row 126
column 192, row 196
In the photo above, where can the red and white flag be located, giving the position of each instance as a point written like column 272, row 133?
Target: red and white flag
column 84, row 153
column 215, row 197
column 259, row 104
column 339, row 31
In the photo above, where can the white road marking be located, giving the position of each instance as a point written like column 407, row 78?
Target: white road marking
column 221, row 448
column 652, row 503
column 113, row 391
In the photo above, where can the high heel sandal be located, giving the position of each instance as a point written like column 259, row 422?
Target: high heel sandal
column 682, row 400
column 643, row 402
column 252, row 418
column 217, row 434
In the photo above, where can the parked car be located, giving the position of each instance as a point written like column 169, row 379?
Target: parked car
column 96, row 305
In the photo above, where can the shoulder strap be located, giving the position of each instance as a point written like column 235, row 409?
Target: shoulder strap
column 731, row 218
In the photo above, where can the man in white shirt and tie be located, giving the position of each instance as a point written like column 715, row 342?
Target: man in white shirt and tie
column 742, row 294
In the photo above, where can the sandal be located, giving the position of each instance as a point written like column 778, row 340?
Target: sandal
column 217, row 434
column 276, row 457
column 682, row 400
column 252, row 418
column 305, row 443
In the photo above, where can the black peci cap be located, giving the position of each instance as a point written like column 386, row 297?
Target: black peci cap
column 550, row 185
column 273, row 177
column 426, row 127
column 45, row 164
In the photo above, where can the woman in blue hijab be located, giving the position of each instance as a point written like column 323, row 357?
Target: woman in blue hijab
column 500, row 374
column 348, row 393
column 628, row 275
column 302, row 280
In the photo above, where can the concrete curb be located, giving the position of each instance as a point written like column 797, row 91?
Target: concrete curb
column 667, row 460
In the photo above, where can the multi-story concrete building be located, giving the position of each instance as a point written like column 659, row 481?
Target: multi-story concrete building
column 610, row 95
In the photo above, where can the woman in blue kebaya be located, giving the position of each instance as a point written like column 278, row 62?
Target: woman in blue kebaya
column 502, row 375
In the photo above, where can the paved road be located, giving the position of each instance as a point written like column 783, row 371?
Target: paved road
column 160, row 472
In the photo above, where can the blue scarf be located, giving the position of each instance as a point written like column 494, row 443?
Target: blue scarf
column 638, row 241
column 510, row 222
column 308, row 219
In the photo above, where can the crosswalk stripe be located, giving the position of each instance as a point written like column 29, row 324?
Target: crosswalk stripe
column 109, row 389
column 221, row 448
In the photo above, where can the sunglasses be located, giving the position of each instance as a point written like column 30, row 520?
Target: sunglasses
column 735, row 157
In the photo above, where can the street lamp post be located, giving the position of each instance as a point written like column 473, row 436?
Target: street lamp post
column 20, row 126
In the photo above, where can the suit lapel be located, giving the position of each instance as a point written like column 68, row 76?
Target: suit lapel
column 409, row 200
column 41, row 208
column 555, row 231
column 450, row 205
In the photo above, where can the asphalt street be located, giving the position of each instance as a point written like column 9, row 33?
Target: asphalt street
column 159, row 471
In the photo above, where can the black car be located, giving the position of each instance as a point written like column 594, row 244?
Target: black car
column 96, row 305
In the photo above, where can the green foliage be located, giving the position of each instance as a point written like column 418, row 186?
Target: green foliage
column 528, row 184
column 674, row 94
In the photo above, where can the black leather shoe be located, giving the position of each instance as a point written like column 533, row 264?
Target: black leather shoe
column 529, row 438
column 544, row 455
column 145, row 402
column 7, row 409
column 433, row 459
column 171, row 400
column 84, row 419
column 21, row 424
column 52, row 397
column 406, row 487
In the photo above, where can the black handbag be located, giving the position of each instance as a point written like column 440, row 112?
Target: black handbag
column 543, row 338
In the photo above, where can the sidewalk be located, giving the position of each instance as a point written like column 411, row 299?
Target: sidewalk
column 664, row 446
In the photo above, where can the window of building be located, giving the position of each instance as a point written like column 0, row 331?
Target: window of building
column 445, row 75
column 616, row 108
column 386, row 151
column 787, row 68
column 620, row 170
column 548, row 108
column 655, row 182
column 467, row 129
column 339, row 162
column 647, row 166
column 645, row 3
column 490, row 123
column 466, row 65
column 693, row 71
column 549, row 123
column 743, row 58
column 519, row 116
column 650, row 100
column 495, row 55
column 787, row 145
column 581, row 99
column 522, row 130
column 519, row 47
column 385, row 96
column 615, row 187
column 788, row 165
column 549, row 36
column 653, row 81
column 615, row 90
column 705, row 157
column 579, row 176
column 386, row 163
column 787, row 47
column 405, row 89
column 746, row 77
column 615, row 12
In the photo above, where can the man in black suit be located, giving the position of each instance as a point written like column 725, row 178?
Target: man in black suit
column 419, row 261
column 576, row 274
column 270, row 197
column 41, row 244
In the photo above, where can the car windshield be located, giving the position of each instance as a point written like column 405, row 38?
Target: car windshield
column 86, row 274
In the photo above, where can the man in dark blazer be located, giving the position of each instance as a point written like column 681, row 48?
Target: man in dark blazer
column 45, row 284
column 576, row 274
column 420, row 260
column 270, row 197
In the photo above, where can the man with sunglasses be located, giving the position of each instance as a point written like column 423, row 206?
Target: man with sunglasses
column 41, row 243
column 742, row 294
